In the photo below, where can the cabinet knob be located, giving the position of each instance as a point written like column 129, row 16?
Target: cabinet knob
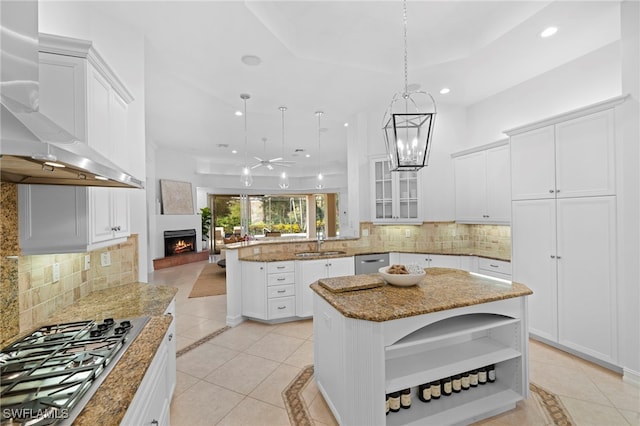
column 281, row 307
column 558, row 257
column 282, row 291
column 557, row 190
column 154, row 422
column 171, row 337
column 551, row 191
column 553, row 257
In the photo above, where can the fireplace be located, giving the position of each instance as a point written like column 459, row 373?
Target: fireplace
column 179, row 242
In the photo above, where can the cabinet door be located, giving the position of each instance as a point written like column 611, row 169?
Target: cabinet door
column 121, row 216
column 533, row 164
column 444, row 261
column 407, row 204
column 254, row 289
column 470, row 187
column 498, row 184
column 382, row 192
column 414, row 258
column 586, row 276
column 309, row 271
column 341, row 267
column 98, row 109
column 101, row 214
column 119, row 149
column 62, row 92
column 533, row 228
column 585, row 156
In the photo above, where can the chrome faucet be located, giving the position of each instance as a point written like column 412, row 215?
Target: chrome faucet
column 319, row 242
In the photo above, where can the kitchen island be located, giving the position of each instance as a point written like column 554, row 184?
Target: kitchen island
column 376, row 341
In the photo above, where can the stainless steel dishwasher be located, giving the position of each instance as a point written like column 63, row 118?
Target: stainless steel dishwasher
column 370, row 263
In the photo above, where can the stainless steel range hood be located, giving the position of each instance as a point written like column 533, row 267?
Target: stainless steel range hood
column 33, row 149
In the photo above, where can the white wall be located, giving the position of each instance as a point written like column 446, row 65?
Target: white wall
column 123, row 49
column 589, row 79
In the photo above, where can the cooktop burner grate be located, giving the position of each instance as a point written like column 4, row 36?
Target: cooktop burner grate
column 47, row 377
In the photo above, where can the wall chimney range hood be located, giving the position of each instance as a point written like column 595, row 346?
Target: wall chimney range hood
column 34, row 149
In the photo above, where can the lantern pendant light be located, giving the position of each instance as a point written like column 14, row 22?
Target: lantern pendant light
column 245, row 175
column 408, row 122
column 319, row 177
column 283, row 181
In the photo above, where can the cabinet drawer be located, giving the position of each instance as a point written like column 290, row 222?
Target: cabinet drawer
column 279, row 279
column 279, row 267
column 280, row 291
column 495, row 266
column 282, row 307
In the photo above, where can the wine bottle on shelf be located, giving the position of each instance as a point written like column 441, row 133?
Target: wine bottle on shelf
column 491, row 373
column 456, row 383
column 473, row 378
column 424, row 392
column 482, row 376
column 394, row 402
column 436, row 389
column 405, row 398
column 387, row 405
column 464, row 380
column 446, row 386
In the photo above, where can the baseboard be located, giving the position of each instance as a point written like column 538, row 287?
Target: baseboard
column 631, row 377
column 236, row 320
column 601, row 363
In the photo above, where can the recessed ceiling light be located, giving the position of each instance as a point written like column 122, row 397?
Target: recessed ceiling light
column 238, row 113
column 307, row 155
column 234, row 152
column 346, row 124
column 251, row 60
column 548, row 32
column 444, row 90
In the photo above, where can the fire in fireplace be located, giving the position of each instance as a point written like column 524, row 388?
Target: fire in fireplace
column 179, row 242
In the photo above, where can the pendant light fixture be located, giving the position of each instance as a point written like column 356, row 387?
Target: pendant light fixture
column 408, row 122
column 245, row 174
column 283, row 181
column 319, row 177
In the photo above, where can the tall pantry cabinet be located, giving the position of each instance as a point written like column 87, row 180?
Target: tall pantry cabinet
column 564, row 227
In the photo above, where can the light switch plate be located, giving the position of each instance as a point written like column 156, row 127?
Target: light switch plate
column 407, row 233
column 87, row 262
column 56, row 272
column 105, row 259
column 365, row 232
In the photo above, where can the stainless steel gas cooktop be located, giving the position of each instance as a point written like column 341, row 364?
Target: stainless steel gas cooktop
column 47, row 377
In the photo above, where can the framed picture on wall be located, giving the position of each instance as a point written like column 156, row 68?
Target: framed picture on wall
column 177, row 197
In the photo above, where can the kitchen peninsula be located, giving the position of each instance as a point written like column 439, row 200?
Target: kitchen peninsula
column 377, row 341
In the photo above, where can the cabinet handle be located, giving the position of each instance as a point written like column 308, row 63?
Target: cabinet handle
column 558, row 257
column 281, row 307
column 553, row 257
column 280, row 279
column 494, row 266
column 280, row 267
column 557, row 190
column 282, row 291
column 115, row 228
column 551, row 191
column 154, row 422
column 171, row 337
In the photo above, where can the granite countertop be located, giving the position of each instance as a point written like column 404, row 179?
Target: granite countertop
column 441, row 289
column 112, row 398
column 283, row 256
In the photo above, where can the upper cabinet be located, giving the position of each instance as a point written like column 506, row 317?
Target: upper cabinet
column 84, row 96
column 572, row 158
column 395, row 195
column 81, row 93
column 482, row 182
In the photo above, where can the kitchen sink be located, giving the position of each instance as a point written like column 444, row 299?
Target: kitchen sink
column 320, row 253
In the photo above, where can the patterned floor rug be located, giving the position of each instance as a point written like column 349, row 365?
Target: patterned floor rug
column 299, row 413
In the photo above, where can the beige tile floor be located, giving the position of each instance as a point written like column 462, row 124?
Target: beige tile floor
column 237, row 377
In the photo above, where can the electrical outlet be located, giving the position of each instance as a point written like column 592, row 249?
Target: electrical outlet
column 105, row 259
column 256, row 250
column 56, row 272
column 407, row 233
column 365, row 232
column 87, row 262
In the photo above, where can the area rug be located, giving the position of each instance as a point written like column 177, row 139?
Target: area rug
column 211, row 282
column 299, row 413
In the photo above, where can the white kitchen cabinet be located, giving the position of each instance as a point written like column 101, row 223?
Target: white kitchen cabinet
column 70, row 219
column 151, row 403
column 572, row 158
column 268, row 290
column 564, row 250
column 396, row 196
column 482, row 184
column 310, row 271
column 430, row 260
column 564, row 228
column 494, row 268
column 83, row 95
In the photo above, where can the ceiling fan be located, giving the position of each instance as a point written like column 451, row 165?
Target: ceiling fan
column 279, row 161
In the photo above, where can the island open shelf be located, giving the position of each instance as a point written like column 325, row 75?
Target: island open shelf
column 358, row 359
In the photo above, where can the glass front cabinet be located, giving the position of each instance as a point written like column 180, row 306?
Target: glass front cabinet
column 395, row 195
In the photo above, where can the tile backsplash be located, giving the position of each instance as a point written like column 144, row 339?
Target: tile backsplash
column 28, row 293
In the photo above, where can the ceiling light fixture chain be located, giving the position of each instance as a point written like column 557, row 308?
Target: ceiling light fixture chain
column 283, row 181
column 245, row 176
column 320, row 178
column 408, row 122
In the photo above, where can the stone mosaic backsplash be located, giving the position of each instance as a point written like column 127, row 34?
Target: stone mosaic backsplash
column 28, row 294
